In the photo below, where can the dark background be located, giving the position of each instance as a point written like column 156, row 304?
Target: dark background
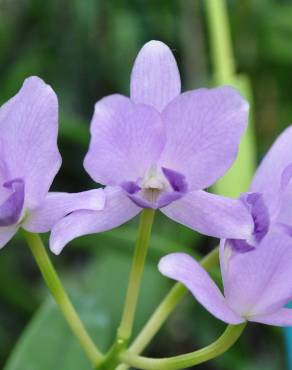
column 85, row 50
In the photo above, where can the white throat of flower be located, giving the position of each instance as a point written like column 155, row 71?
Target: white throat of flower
column 153, row 184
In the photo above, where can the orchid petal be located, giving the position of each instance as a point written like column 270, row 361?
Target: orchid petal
column 57, row 205
column 126, row 140
column 282, row 317
column 284, row 215
column 268, row 177
column 28, row 138
column 258, row 282
column 203, row 129
column 186, row 270
column 118, row 210
column 155, row 78
column 212, row 215
column 6, row 233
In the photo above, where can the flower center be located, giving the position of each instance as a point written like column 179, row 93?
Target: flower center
column 153, row 184
column 158, row 188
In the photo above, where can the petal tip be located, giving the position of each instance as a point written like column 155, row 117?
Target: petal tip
column 35, row 81
column 162, row 265
column 155, row 78
column 155, row 46
column 56, row 249
column 169, row 263
column 56, row 246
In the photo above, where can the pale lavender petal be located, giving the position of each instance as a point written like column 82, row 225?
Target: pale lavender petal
column 286, row 176
column 6, row 233
column 118, row 210
column 4, row 173
column 189, row 272
column 11, row 208
column 259, row 281
column 204, row 128
column 225, row 252
column 126, row 140
column 284, row 215
column 155, row 78
column 282, row 317
column 57, row 205
column 268, row 178
column 212, row 215
column 28, row 138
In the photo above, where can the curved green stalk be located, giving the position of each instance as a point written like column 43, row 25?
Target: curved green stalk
column 165, row 308
column 221, row 345
column 58, row 292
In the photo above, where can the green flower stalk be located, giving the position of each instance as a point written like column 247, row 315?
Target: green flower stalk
column 221, row 345
column 125, row 329
column 141, row 249
column 60, row 296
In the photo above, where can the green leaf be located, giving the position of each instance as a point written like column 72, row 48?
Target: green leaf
column 47, row 342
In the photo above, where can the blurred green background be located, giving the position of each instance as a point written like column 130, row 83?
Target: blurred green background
column 85, row 50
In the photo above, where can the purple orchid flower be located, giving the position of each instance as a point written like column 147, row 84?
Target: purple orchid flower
column 159, row 149
column 270, row 195
column 257, row 284
column 29, row 162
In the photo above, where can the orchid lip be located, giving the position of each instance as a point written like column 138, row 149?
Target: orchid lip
column 255, row 203
column 11, row 209
column 157, row 189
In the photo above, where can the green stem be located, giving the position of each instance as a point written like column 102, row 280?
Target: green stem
column 58, row 292
column 237, row 180
column 124, row 332
column 144, row 232
column 220, row 39
column 221, row 345
column 165, row 308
